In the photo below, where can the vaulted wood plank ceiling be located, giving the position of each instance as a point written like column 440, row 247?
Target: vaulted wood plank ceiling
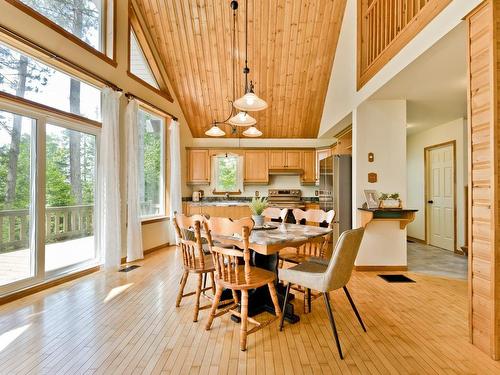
column 291, row 49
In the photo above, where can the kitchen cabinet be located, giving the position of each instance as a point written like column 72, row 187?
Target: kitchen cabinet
column 198, row 162
column 256, row 167
column 276, row 159
column 309, row 167
column 344, row 144
column 285, row 159
column 293, row 159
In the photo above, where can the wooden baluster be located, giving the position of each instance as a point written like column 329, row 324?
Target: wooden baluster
column 12, row 228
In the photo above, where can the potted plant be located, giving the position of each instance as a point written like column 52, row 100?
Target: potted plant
column 258, row 206
column 390, row 200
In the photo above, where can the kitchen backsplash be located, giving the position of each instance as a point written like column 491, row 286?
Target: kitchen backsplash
column 275, row 182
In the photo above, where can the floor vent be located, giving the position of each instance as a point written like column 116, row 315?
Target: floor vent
column 129, row 268
column 396, row 279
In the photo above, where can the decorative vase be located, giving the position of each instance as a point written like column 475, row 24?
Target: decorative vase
column 258, row 220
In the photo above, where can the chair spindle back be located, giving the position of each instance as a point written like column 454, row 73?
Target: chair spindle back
column 192, row 250
column 226, row 260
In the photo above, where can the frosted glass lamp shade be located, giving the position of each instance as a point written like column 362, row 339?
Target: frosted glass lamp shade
column 252, row 132
column 250, row 102
column 242, row 119
column 215, row 131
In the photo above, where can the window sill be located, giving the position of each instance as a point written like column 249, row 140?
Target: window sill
column 156, row 219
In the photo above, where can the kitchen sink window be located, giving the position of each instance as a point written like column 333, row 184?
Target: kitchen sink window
column 227, row 173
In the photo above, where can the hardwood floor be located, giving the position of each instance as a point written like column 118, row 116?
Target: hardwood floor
column 127, row 323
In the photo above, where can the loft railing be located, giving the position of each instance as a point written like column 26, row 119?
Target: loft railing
column 386, row 26
column 61, row 223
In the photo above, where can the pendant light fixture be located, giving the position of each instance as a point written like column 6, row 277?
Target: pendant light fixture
column 215, row 131
column 249, row 100
column 242, row 119
column 252, row 132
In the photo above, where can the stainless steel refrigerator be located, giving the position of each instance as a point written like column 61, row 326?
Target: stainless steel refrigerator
column 335, row 184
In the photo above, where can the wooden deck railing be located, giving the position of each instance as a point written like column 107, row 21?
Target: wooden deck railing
column 61, row 223
column 386, row 26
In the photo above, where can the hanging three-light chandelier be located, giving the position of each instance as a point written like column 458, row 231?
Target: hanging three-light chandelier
column 249, row 102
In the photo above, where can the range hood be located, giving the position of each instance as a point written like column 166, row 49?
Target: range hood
column 286, row 171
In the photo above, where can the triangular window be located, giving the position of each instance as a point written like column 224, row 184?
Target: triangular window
column 139, row 65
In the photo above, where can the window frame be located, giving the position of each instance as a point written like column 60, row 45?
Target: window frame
column 163, row 167
column 44, row 107
column 42, row 118
column 239, row 173
column 108, row 53
column 135, row 26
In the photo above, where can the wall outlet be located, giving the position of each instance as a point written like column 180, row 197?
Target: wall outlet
column 257, row 193
column 316, row 193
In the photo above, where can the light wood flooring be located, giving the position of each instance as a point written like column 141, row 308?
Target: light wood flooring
column 126, row 323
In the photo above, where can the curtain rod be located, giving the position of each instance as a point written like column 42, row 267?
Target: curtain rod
column 77, row 67
column 131, row 96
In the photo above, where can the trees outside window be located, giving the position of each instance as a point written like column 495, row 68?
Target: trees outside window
column 82, row 18
column 151, row 164
column 227, row 173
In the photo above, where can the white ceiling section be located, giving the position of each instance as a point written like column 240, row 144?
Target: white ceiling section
column 434, row 85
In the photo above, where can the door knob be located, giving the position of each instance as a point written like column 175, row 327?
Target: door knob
column 431, row 202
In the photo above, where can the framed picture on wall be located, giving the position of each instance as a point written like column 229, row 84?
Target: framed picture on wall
column 371, row 197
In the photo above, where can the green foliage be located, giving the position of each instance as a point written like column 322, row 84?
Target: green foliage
column 227, row 176
column 58, row 185
column 385, row 196
column 258, row 205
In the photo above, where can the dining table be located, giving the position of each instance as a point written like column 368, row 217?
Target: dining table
column 265, row 245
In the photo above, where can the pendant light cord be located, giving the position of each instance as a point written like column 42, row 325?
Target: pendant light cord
column 246, row 70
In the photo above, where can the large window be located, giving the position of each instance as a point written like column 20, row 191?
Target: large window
column 82, row 18
column 151, row 164
column 45, row 235
column 17, row 156
column 25, row 77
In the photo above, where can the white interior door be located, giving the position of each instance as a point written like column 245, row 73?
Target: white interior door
column 441, row 199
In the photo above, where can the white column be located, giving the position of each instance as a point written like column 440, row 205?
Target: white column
column 379, row 126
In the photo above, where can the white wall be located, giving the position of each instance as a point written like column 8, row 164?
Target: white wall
column 452, row 131
column 379, row 126
column 342, row 96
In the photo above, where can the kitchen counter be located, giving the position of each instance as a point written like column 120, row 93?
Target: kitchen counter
column 218, row 203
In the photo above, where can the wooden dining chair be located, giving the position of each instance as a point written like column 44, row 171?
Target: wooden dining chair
column 328, row 277
column 318, row 247
column 275, row 213
column 231, row 273
column 194, row 260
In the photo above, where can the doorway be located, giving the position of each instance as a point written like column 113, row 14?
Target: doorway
column 440, row 196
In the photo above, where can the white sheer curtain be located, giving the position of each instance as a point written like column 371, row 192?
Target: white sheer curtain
column 108, row 212
column 134, row 231
column 175, row 169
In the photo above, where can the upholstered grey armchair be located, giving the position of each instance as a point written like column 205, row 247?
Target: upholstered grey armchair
column 327, row 277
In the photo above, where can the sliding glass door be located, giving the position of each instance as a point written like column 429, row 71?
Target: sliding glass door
column 48, row 169
column 17, row 167
column 70, row 176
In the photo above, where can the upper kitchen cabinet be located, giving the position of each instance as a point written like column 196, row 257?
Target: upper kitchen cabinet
column 198, row 161
column 309, row 167
column 285, row 159
column 256, row 167
column 344, row 143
